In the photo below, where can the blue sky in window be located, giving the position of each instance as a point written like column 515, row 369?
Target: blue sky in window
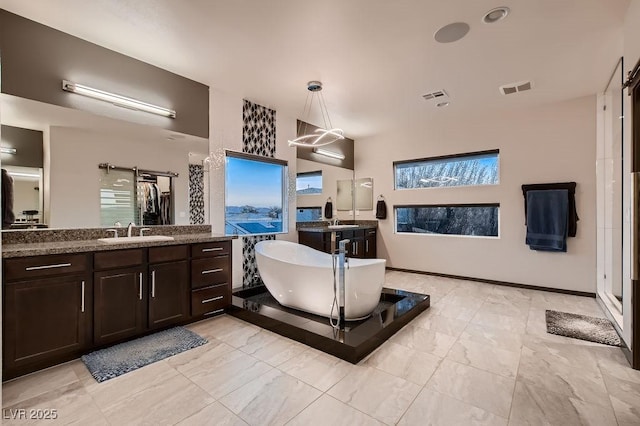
column 253, row 183
column 309, row 181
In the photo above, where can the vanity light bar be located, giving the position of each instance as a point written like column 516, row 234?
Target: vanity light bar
column 331, row 154
column 21, row 174
column 5, row 150
column 118, row 100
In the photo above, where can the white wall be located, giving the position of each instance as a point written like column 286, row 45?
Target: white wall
column 550, row 143
column 226, row 134
column 74, row 186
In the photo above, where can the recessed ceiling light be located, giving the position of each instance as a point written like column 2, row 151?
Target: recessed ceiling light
column 495, row 15
column 452, row 32
column 442, row 104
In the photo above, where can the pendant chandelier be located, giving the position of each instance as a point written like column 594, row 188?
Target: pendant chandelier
column 322, row 136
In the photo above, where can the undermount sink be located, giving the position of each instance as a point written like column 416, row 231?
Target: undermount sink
column 138, row 239
column 341, row 226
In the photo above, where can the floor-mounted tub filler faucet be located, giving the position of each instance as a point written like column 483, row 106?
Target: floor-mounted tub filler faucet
column 342, row 255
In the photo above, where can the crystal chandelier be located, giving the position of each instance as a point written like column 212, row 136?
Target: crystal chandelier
column 322, row 136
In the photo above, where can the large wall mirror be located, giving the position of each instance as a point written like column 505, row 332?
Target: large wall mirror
column 317, row 183
column 65, row 188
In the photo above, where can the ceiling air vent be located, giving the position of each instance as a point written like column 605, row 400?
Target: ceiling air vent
column 521, row 86
column 438, row 96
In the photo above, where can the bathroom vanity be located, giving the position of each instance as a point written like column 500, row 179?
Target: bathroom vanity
column 63, row 299
column 362, row 237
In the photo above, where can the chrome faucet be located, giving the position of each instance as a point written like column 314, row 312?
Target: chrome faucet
column 335, row 221
column 129, row 228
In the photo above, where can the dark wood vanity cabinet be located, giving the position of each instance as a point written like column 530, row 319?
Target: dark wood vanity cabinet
column 47, row 311
column 120, row 305
column 169, row 286
column 210, row 278
column 316, row 240
column 370, row 242
column 136, row 294
column 58, row 307
column 362, row 242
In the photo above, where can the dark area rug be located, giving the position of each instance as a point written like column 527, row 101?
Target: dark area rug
column 583, row 327
column 122, row 358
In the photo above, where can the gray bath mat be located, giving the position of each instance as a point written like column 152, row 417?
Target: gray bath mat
column 122, row 358
column 583, row 327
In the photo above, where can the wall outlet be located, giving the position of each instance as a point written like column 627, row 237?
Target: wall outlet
column 182, row 214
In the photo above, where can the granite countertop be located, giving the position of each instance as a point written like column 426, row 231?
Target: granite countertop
column 325, row 227
column 80, row 246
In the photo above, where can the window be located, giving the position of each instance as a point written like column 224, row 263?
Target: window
column 309, row 183
column 478, row 168
column 255, row 195
column 461, row 219
column 309, row 214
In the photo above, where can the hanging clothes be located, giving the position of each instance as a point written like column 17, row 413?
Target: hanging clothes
column 150, row 203
column 165, row 208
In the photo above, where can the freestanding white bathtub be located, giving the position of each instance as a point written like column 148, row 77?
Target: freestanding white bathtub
column 300, row 277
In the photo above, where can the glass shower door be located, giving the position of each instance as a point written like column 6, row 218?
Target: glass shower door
column 610, row 181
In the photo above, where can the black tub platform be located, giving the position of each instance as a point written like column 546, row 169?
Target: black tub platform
column 351, row 343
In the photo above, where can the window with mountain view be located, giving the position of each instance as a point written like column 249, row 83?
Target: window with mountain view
column 255, row 195
column 479, row 168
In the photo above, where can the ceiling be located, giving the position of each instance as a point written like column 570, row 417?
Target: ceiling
column 375, row 57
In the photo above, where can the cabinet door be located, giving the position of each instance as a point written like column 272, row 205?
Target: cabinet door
column 315, row 240
column 356, row 245
column 169, row 294
column 46, row 319
column 119, row 304
column 370, row 250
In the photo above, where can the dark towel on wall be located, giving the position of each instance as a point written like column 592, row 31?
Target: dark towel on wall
column 328, row 210
column 381, row 209
column 547, row 220
column 572, row 213
column 8, row 217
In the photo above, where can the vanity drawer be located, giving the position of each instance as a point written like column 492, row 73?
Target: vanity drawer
column 168, row 254
column 210, row 300
column 209, row 271
column 210, row 249
column 118, row 258
column 39, row 266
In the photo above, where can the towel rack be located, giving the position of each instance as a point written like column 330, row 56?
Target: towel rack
column 570, row 187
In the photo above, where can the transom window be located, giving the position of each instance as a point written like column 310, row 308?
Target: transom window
column 308, row 214
column 480, row 220
column 477, row 168
column 309, row 183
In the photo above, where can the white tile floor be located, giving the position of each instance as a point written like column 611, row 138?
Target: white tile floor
column 479, row 355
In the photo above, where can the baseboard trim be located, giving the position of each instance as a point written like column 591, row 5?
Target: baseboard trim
column 502, row 283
